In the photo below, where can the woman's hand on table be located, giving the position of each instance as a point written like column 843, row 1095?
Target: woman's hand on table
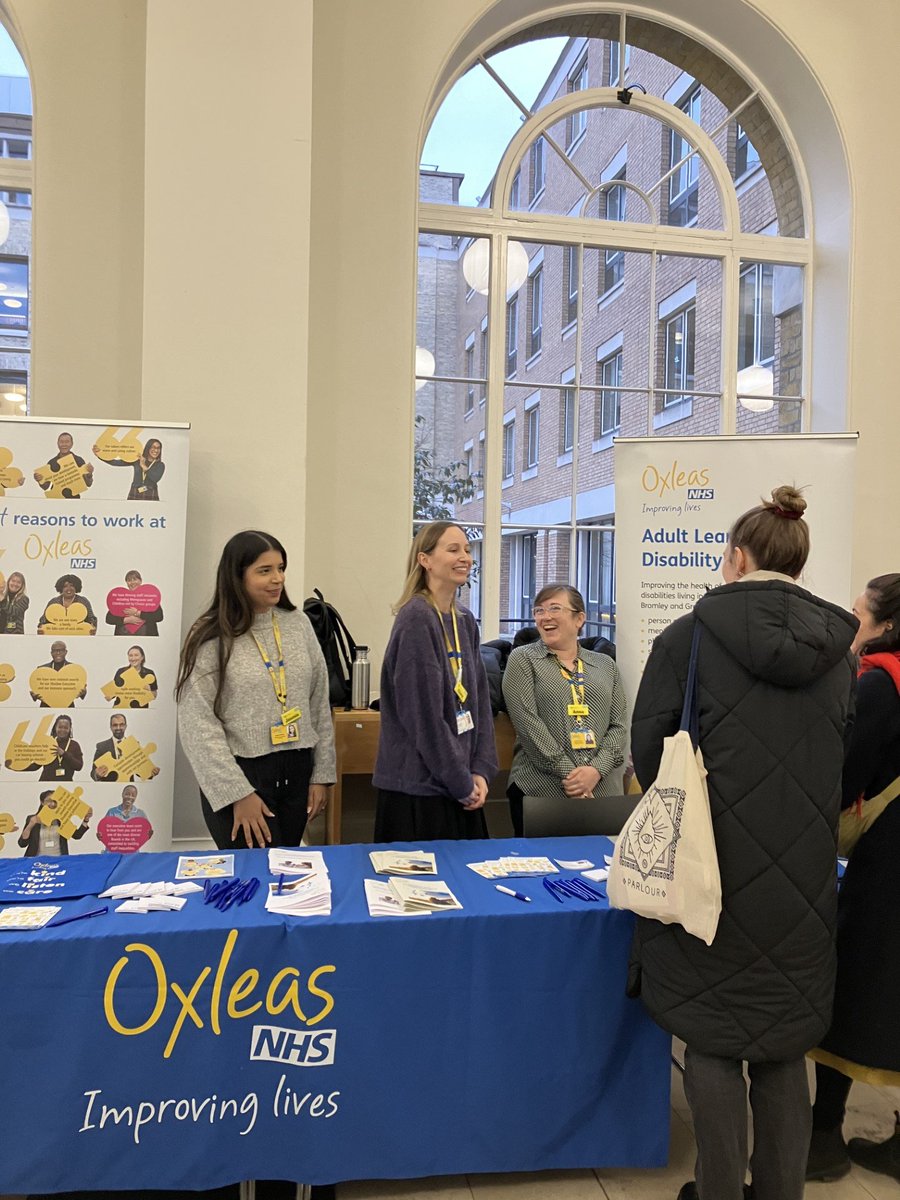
column 581, row 781
column 250, row 817
column 478, row 794
column 317, row 800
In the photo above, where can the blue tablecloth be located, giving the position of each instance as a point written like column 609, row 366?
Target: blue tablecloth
column 496, row 1038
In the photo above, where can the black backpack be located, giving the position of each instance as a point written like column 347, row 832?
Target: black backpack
column 338, row 646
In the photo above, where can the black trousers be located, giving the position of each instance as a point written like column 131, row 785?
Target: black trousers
column 832, row 1090
column 282, row 780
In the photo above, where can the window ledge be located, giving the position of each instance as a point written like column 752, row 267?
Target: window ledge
column 563, row 460
column 748, row 180
column 469, row 413
column 604, row 441
column 535, row 358
column 529, row 473
column 508, row 482
column 576, row 142
column 675, row 412
column 536, row 199
column 568, row 330
column 613, row 294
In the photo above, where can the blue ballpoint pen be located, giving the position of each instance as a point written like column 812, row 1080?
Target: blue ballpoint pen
column 548, row 884
column 95, row 912
column 509, row 892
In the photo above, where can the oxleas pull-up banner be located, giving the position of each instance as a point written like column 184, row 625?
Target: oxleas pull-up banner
column 676, row 500
column 92, row 525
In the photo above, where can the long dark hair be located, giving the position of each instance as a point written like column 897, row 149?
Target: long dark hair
column 229, row 614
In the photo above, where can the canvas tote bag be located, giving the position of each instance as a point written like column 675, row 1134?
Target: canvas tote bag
column 664, row 864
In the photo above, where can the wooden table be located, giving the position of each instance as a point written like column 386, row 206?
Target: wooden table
column 356, row 744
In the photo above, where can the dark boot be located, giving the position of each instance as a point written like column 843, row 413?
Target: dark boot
column 828, row 1158
column 883, row 1157
column 689, row 1192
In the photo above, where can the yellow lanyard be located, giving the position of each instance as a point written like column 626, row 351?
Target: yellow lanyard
column 575, row 680
column 279, row 682
column 454, row 653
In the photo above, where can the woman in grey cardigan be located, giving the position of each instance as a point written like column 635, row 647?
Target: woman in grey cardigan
column 253, row 709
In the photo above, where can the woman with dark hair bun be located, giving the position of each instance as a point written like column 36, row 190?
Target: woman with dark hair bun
column 863, row 1042
column 775, row 682
column 253, row 709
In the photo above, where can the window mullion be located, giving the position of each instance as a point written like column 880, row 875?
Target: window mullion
column 493, row 465
column 731, row 288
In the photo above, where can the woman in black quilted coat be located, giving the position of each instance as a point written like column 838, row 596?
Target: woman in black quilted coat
column 775, row 694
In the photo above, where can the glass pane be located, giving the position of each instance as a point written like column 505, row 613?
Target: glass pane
column 784, row 416
column 597, row 576
column 688, row 345
column 13, row 393
column 530, row 559
column 448, row 474
column 770, row 344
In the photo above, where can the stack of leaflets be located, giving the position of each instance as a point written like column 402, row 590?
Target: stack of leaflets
column 307, row 893
column 417, row 895
column 383, row 903
column 517, row 864
column 403, row 862
column 34, row 916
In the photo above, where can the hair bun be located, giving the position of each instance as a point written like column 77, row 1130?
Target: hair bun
column 788, row 499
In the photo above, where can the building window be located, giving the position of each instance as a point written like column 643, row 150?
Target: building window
column 614, row 260
column 612, row 64
column 570, row 284
column 527, row 576
column 469, row 459
column 14, row 293
column 567, row 416
column 470, row 373
column 756, row 319
column 745, row 155
column 512, row 335
column 684, row 181
column 609, row 406
column 597, row 580
column 679, row 350
column 482, row 387
column 509, row 449
column 576, row 122
column 532, row 437
column 538, row 168
column 535, row 309
column 515, row 189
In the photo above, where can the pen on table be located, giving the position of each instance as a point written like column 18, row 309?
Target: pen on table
column 509, row 892
column 280, row 884
column 95, row 912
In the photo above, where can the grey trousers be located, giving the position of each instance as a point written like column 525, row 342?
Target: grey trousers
column 782, row 1121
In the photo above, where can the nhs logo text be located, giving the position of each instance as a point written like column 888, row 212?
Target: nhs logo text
column 297, row 1047
column 701, row 493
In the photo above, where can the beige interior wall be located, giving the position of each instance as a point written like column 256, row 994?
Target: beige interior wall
column 86, row 61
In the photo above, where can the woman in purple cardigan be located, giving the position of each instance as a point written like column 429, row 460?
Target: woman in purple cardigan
column 436, row 753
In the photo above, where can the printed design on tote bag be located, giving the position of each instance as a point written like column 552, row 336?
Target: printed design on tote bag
column 653, row 837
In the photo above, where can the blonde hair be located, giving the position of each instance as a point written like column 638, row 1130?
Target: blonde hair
column 775, row 533
column 424, row 542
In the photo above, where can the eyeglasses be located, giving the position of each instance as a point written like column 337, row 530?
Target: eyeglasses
column 551, row 610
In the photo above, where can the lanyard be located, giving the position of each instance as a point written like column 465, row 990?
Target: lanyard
column 279, row 683
column 575, row 680
column 454, row 653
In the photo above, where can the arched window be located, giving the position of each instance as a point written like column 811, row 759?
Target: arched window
column 15, row 228
column 633, row 260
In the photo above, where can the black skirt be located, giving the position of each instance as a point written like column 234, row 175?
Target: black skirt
column 403, row 818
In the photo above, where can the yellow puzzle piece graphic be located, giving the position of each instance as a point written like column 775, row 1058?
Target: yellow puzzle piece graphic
column 135, row 690
column 7, row 825
column 69, row 478
column 10, row 476
column 110, row 448
column 58, row 689
column 59, row 620
column 7, row 675
column 67, row 807
column 22, row 755
column 135, row 760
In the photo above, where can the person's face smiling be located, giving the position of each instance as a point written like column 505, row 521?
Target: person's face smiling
column 64, row 443
column 264, row 581
column 58, row 652
column 117, row 725
column 135, row 658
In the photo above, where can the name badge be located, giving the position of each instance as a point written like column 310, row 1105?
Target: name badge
column 464, row 721
column 282, row 734
column 290, row 716
column 578, row 710
column 60, row 771
column 583, row 739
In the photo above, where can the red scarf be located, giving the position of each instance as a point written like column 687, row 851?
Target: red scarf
column 888, row 660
